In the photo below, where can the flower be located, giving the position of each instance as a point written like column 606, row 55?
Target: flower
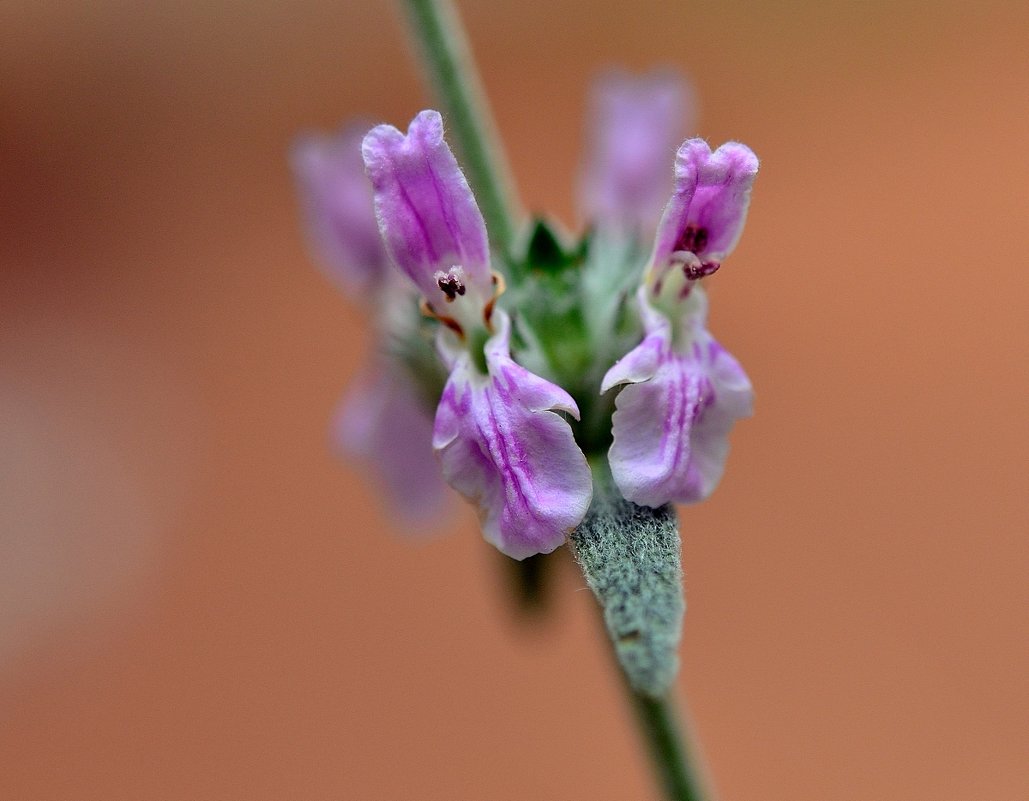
column 499, row 434
column 337, row 206
column 682, row 391
column 382, row 420
column 634, row 126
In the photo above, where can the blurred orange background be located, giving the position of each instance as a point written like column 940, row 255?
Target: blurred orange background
column 198, row 602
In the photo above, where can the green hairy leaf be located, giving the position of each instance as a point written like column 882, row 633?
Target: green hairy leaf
column 630, row 556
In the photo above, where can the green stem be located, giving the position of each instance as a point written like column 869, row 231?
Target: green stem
column 444, row 52
column 673, row 755
column 630, row 557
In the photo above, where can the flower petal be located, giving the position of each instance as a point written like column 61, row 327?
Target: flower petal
column 732, row 398
column 635, row 124
column 383, row 422
column 336, row 198
column 650, row 457
column 671, row 429
column 427, row 215
column 642, row 362
column 712, row 194
column 505, row 450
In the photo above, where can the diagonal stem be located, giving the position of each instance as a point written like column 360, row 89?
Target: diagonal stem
column 671, row 749
column 443, row 48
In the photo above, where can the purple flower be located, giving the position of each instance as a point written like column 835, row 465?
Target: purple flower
column 384, row 422
column 684, row 391
column 498, row 433
column 635, row 125
column 381, row 421
column 337, row 205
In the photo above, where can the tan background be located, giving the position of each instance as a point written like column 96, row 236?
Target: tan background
column 197, row 602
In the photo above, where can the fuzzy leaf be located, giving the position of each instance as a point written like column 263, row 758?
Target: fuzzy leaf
column 630, row 556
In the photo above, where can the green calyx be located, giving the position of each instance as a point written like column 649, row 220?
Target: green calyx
column 546, row 254
column 572, row 317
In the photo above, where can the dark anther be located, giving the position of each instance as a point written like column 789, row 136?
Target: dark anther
column 451, row 286
column 693, row 239
column 695, row 272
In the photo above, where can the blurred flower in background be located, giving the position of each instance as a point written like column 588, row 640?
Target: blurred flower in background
column 384, row 420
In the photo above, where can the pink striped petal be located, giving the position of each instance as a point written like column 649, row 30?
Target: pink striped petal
column 427, row 215
column 674, row 414
column 504, row 447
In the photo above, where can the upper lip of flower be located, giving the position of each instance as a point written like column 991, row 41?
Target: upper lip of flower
column 704, row 216
column 706, row 213
column 428, row 216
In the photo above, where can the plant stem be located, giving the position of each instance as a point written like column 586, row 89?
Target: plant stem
column 447, row 58
column 672, row 754
column 630, row 557
column 445, row 54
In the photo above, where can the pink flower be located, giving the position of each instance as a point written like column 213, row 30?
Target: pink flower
column 337, row 204
column 381, row 421
column 634, row 127
column 682, row 391
column 499, row 433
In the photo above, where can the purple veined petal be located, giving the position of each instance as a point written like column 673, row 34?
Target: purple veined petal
column 507, row 451
column 671, row 424
column 634, row 126
column 731, row 398
column 383, row 423
column 336, row 199
column 428, row 217
column 706, row 213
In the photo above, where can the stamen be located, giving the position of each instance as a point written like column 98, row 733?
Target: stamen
column 695, row 272
column 450, row 283
column 453, row 325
